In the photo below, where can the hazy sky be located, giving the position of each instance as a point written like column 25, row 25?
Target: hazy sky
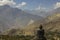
column 32, row 4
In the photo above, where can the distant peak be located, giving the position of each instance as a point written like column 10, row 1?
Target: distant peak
column 6, row 6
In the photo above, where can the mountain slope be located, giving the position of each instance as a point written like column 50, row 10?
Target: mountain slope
column 50, row 23
column 28, row 30
column 53, row 22
column 14, row 18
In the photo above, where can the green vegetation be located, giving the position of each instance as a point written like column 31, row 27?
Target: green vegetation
column 49, row 36
column 17, row 37
column 53, row 35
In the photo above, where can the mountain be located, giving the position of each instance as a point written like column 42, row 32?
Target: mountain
column 15, row 18
column 28, row 30
column 57, row 10
column 51, row 23
column 42, row 13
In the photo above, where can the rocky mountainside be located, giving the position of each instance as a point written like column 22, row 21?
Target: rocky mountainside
column 50, row 23
column 15, row 18
column 53, row 22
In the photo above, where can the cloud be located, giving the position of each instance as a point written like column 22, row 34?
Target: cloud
column 12, row 3
column 7, row 2
column 57, row 5
column 21, row 5
column 40, row 8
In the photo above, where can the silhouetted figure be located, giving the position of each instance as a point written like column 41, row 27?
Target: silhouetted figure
column 40, row 33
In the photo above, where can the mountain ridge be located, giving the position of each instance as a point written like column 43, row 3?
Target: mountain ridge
column 14, row 17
